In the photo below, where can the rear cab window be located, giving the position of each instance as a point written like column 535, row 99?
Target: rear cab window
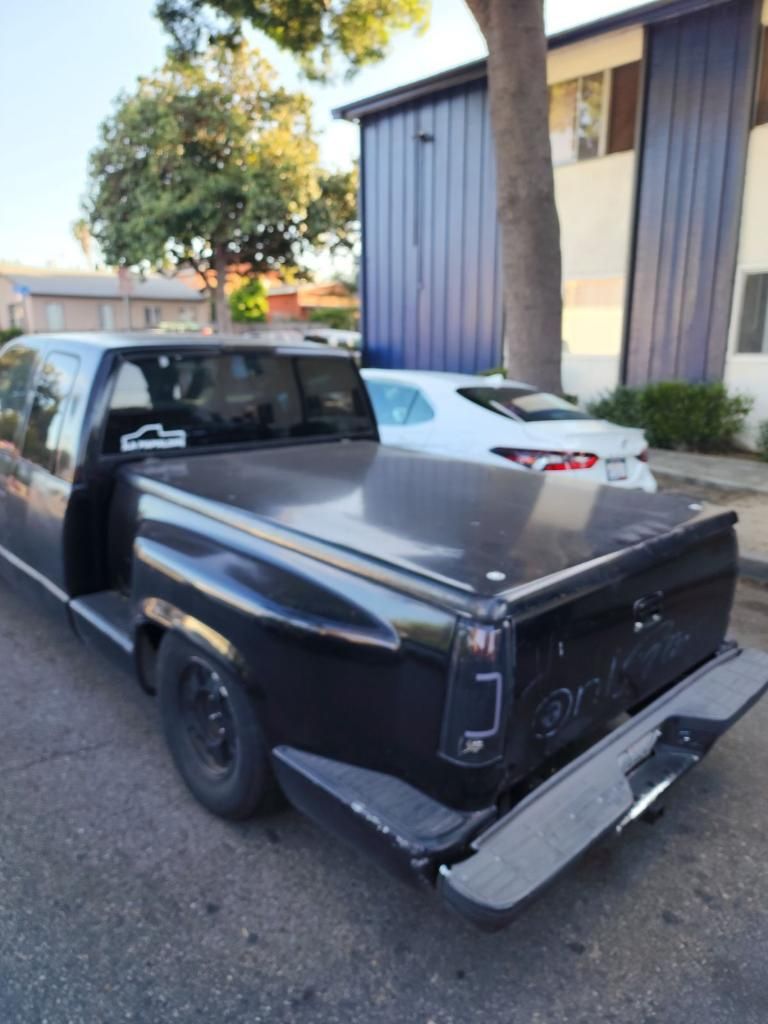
column 523, row 404
column 167, row 401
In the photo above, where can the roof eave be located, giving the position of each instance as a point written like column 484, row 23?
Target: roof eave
column 646, row 14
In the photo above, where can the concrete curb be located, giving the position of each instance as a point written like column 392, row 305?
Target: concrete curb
column 754, row 567
column 709, row 481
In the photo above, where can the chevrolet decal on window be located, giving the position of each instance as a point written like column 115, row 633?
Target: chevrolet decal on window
column 151, row 437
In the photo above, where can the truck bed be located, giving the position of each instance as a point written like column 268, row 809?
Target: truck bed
column 476, row 528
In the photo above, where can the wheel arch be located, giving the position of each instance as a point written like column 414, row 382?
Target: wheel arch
column 157, row 617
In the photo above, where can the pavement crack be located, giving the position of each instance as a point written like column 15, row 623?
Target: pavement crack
column 55, row 755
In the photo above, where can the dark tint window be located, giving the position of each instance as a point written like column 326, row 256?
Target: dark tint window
column 761, row 107
column 190, row 400
column 625, row 86
column 398, row 405
column 15, row 372
column 54, row 384
column 521, row 404
column 753, row 327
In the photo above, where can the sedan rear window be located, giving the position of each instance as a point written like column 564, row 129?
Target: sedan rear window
column 524, row 404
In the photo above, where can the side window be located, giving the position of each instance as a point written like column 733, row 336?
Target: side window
column 15, row 373
column 421, row 411
column 53, row 387
column 391, row 402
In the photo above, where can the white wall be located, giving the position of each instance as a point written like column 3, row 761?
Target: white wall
column 594, row 204
column 607, row 51
column 749, row 372
column 588, row 377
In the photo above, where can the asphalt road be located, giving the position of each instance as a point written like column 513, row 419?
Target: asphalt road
column 121, row 899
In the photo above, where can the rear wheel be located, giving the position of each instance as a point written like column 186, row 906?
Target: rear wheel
column 212, row 728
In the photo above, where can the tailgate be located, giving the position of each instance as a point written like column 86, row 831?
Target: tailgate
column 605, row 640
column 605, row 788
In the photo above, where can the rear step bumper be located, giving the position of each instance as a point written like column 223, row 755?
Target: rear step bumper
column 505, row 866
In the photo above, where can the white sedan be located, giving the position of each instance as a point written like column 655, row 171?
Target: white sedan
column 503, row 422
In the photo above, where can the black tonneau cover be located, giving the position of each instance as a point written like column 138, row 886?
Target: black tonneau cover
column 477, row 528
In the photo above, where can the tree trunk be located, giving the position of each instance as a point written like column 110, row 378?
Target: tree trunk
column 530, row 232
column 221, row 302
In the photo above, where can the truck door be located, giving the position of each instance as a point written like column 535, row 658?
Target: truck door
column 42, row 480
column 16, row 364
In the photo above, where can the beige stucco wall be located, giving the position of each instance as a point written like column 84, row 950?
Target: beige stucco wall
column 83, row 314
column 749, row 373
column 607, row 51
column 594, row 204
column 764, row 18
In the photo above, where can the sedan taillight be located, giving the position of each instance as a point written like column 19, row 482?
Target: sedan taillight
column 547, row 460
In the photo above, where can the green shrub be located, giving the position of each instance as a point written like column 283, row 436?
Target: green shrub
column 762, row 440
column 338, row 319
column 9, row 333
column 248, row 303
column 677, row 414
column 620, row 406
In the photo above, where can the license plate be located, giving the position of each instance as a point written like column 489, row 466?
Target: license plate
column 616, row 469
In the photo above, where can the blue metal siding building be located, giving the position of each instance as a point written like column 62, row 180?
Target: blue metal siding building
column 432, row 293
column 430, row 274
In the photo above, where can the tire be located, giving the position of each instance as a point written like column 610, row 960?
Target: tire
column 212, row 729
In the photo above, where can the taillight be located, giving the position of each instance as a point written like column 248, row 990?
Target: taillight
column 476, row 703
column 643, row 456
column 547, row 460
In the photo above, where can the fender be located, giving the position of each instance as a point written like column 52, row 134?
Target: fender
column 162, row 613
column 176, row 579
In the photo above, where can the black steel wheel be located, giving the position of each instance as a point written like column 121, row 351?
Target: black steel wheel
column 212, row 728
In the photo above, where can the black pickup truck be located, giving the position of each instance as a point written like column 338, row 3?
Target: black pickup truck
column 472, row 673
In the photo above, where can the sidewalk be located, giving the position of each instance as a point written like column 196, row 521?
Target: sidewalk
column 723, row 471
column 740, row 484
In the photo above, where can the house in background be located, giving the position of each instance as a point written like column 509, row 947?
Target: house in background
column 659, row 133
column 299, row 301
column 51, row 300
column 285, row 302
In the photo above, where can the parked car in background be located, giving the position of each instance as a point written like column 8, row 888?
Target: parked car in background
column 350, row 341
column 504, row 422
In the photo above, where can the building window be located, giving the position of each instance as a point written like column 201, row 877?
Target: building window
column 593, row 115
column 761, row 108
column 107, row 317
column 54, row 315
column 575, row 118
column 753, row 328
column 151, row 316
column 625, row 87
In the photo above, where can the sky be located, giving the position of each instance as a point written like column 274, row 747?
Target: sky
column 62, row 65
